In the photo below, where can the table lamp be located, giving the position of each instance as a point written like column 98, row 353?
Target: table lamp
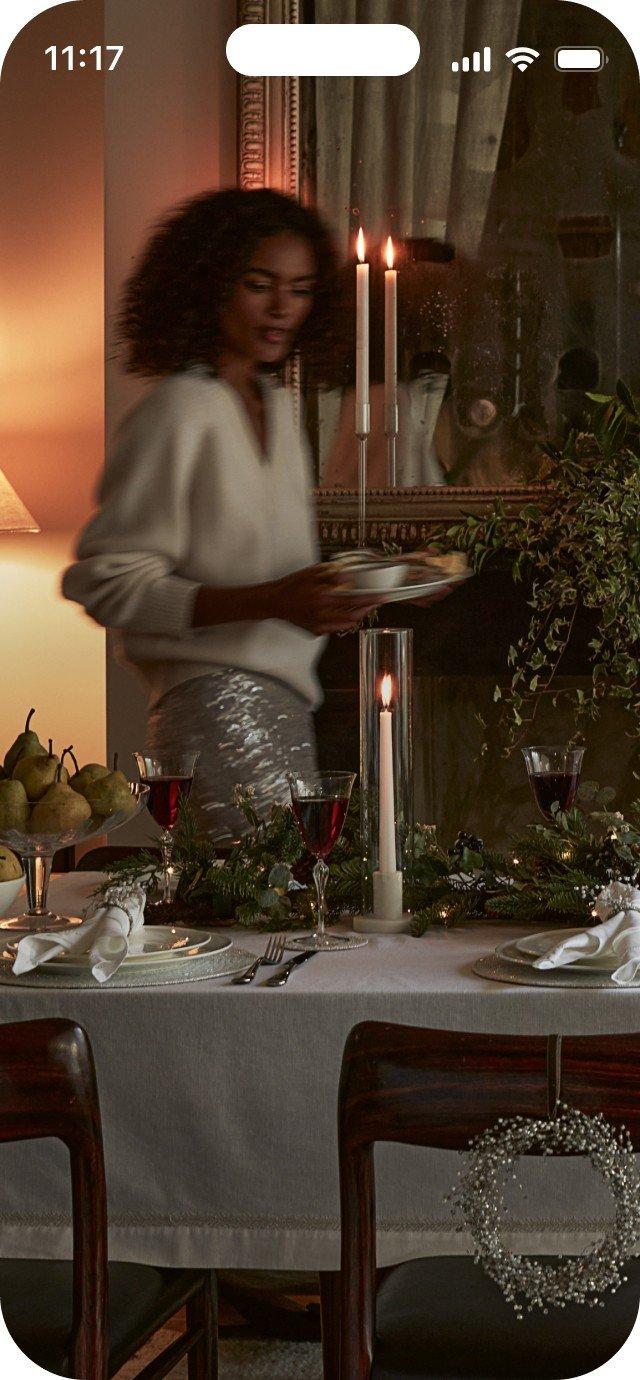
column 14, row 517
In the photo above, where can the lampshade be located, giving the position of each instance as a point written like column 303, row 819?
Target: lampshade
column 14, row 517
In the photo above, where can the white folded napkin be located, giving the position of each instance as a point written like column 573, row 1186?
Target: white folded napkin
column 618, row 935
column 109, row 922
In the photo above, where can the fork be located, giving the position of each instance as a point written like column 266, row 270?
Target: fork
column 272, row 955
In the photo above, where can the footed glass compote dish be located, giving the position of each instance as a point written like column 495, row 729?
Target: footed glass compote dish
column 37, row 849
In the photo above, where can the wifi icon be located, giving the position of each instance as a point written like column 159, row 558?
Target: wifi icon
column 522, row 57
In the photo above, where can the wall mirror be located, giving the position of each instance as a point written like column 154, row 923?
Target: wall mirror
column 511, row 196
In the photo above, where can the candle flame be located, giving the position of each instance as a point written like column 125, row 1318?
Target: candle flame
column 390, row 253
column 360, row 245
column 386, row 689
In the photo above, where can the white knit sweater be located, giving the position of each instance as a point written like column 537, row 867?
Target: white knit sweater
column 187, row 500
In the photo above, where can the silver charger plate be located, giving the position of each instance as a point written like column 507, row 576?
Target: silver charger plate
column 500, row 967
column 225, row 964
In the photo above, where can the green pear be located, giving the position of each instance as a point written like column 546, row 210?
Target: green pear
column 59, row 810
column 38, row 773
column 14, row 806
column 10, row 866
column 111, row 794
column 27, row 744
column 91, row 772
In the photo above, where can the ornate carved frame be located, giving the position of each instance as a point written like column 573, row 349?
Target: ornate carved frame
column 269, row 139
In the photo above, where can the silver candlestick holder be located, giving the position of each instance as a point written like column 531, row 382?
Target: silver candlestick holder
column 391, row 430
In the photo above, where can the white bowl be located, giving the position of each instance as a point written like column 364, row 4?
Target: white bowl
column 379, row 577
column 8, row 892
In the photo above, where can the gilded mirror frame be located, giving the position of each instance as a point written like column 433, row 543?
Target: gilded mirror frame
column 269, row 154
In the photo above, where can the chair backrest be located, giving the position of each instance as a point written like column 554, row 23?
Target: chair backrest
column 440, row 1088
column 48, row 1088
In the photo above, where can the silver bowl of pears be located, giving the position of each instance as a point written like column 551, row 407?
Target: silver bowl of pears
column 45, row 807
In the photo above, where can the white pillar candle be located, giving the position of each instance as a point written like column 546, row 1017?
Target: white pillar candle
column 386, row 799
column 390, row 345
column 363, row 416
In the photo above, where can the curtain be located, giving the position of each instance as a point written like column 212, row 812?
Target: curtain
column 414, row 156
column 416, row 153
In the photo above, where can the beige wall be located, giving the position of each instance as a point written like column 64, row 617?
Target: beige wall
column 169, row 133
column 86, row 166
column 51, row 373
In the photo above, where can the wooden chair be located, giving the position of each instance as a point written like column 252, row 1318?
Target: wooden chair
column 443, row 1316
column 84, row 1318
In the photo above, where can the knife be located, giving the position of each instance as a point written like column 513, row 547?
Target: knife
column 282, row 975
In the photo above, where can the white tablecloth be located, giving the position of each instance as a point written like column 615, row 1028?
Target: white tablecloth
column 219, row 1109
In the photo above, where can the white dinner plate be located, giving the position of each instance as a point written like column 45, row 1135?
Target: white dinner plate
column 153, row 945
column 535, row 945
column 412, row 589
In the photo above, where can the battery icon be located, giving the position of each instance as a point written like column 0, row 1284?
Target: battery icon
column 580, row 59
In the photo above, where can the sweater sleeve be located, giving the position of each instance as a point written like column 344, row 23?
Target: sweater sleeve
column 129, row 555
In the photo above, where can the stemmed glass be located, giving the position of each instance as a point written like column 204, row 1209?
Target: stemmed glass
column 169, row 778
column 554, row 776
column 320, row 801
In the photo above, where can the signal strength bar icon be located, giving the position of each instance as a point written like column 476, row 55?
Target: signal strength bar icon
column 478, row 62
column 522, row 57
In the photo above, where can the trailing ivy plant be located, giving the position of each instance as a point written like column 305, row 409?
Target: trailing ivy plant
column 579, row 547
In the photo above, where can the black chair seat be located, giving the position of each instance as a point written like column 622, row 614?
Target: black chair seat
column 36, row 1298
column 443, row 1317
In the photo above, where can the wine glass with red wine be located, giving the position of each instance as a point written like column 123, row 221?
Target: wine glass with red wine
column 554, row 777
column 169, row 779
column 320, row 801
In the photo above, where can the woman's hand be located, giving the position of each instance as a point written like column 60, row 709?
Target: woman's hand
column 319, row 599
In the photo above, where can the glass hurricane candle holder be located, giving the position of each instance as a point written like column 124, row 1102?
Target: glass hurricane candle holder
column 386, row 775
column 554, row 777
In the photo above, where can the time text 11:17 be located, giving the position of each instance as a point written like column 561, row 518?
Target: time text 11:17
column 96, row 53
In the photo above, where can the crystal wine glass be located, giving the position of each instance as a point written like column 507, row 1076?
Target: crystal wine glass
column 169, row 779
column 320, row 801
column 554, row 776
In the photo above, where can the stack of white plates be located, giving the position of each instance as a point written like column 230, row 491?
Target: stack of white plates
column 525, row 951
column 152, row 946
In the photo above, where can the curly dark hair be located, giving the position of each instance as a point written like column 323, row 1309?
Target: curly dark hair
column 171, row 304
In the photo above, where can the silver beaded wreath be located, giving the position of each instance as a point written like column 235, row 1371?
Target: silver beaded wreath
column 479, row 1196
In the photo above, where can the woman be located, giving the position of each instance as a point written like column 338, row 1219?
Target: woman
column 203, row 553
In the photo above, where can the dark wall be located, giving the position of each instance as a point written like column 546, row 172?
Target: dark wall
column 460, row 654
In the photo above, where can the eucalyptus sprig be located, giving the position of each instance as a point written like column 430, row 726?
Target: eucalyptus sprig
column 579, row 547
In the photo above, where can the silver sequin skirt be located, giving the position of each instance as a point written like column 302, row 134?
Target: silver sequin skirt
column 249, row 730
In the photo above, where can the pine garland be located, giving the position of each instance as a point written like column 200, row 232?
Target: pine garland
column 553, row 872
column 264, row 883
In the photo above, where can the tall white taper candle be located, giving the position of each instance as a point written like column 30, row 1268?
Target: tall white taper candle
column 363, row 410
column 390, row 344
column 386, row 797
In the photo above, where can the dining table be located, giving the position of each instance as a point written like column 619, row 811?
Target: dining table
column 219, row 1107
